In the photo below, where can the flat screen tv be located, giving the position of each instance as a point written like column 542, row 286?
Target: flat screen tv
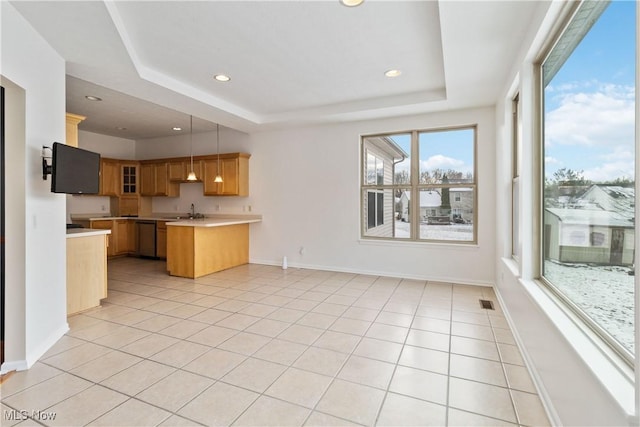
column 74, row 170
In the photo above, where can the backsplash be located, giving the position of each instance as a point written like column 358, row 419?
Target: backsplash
column 189, row 193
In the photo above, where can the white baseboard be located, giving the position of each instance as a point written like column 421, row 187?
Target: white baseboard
column 46, row 344
column 400, row 275
column 16, row 365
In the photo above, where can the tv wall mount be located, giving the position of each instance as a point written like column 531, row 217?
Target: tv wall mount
column 47, row 169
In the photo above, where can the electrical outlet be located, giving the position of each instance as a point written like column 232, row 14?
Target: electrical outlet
column 104, row 208
column 217, row 208
column 175, row 208
column 249, row 208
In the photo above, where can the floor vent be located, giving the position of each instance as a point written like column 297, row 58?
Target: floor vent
column 486, row 304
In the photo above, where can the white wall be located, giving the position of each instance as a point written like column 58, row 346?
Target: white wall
column 32, row 65
column 305, row 183
column 231, row 141
column 107, row 146
column 574, row 378
column 15, row 215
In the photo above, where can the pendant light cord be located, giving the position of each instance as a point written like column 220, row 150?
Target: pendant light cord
column 191, row 139
column 218, row 145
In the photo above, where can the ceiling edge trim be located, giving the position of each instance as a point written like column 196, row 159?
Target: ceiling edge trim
column 152, row 75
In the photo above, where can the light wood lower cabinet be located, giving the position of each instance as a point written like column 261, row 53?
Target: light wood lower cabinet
column 125, row 236
column 196, row 251
column 161, row 239
column 107, row 224
column 122, row 240
column 86, row 272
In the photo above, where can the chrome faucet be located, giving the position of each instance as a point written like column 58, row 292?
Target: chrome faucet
column 193, row 211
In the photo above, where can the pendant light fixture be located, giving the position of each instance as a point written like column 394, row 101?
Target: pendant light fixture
column 218, row 177
column 192, row 175
column 351, row 3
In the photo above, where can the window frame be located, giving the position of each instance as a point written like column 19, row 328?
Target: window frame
column 414, row 187
column 516, row 148
column 378, row 218
column 572, row 309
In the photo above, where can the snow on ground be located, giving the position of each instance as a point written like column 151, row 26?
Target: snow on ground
column 605, row 293
column 462, row 232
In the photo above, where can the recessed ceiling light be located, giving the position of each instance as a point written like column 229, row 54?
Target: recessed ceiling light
column 93, row 98
column 120, row 128
column 222, row 77
column 351, row 3
column 177, row 128
column 392, row 73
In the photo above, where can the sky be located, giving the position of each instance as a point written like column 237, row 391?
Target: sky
column 590, row 102
column 449, row 149
column 589, row 109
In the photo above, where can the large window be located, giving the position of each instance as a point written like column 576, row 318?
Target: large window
column 420, row 185
column 588, row 218
column 516, row 131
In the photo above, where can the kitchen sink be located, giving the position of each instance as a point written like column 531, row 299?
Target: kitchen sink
column 185, row 217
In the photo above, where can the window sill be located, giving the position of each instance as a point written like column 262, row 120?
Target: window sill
column 416, row 244
column 606, row 365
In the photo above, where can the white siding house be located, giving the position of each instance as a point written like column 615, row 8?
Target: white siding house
column 461, row 200
column 379, row 156
column 597, row 227
column 462, row 203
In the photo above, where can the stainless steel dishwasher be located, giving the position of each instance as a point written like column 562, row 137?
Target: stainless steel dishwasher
column 146, row 232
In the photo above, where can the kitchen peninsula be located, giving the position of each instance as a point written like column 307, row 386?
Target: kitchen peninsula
column 198, row 247
column 86, row 269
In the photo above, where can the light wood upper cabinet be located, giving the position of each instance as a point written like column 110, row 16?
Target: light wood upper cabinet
column 129, row 174
column 125, row 205
column 154, row 180
column 162, row 177
column 109, row 177
column 147, row 180
column 72, row 121
column 234, row 169
column 179, row 169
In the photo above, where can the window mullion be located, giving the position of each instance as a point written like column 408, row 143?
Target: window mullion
column 415, row 194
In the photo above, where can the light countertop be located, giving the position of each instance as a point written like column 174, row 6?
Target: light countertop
column 85, row 232
column 94, row 217
column 213, row 222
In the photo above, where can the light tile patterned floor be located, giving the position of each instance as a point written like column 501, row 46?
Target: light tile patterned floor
column 256, row 345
